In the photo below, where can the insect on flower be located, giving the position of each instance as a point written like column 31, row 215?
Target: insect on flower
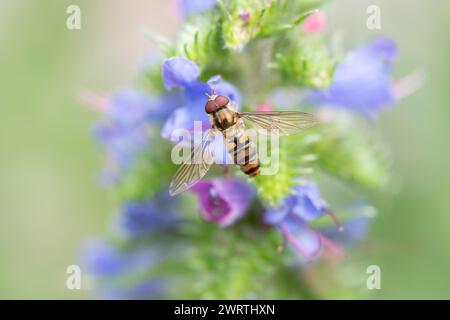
column 226, row 121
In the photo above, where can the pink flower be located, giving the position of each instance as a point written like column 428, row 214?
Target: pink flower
column 315, row 23
column 244, row 15
column 223, row 200
column 293, row 216
column 264, row 107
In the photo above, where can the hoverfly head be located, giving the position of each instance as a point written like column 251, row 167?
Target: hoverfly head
column 215, row 102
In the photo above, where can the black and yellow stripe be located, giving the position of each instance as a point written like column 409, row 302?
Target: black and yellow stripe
column 244, row 152
column 239, row 145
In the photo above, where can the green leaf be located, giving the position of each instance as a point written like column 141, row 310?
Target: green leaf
column 247, row 20
column 243, row 263
column 201, row 41
column 305, row 61
column 277, row 29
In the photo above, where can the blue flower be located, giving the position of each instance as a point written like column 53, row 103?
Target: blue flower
column 124, row 131
column 223, row 200
column 355, row 229
column 121, row 144
column 292, row 216
column 144, row 218
column 305, row 202
column 195, row 6
column 362, row 82
column 104, row 260
column 130, row 107
column 181, row 73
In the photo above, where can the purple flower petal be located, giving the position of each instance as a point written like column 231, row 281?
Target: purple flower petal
column 356, row 228
column 179, row 119
column 362, row 82
column 144, row 218
column 103, row 260
column 124, row 131
column 225, row 88
column 354, row 231
column 223, row 200
column 194, row 99
column 305, row 241
column 129, row 107
column 275, row 215
column 309, row 205
column 195, row 6
column 383, row 48
column 292, row 216
column 179, row 72
column 192, row 106
column 305, row 202
column 121, row 143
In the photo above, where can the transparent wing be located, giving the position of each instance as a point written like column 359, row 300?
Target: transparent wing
column 195, row 167
column 286, row 122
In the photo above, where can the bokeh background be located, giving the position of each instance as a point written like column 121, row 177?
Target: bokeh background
column 49, row 197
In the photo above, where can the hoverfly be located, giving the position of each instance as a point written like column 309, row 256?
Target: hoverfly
column 229, row 123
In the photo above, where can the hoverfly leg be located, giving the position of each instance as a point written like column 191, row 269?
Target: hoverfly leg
column 226, row 170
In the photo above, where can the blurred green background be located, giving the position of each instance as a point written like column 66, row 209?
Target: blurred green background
column 49, row 197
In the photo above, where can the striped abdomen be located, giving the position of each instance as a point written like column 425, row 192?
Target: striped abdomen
column 242, row 149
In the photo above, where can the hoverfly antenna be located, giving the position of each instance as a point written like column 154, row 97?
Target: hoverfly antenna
column 213, row 94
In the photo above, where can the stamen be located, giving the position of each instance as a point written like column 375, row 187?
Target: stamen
column 335, row 219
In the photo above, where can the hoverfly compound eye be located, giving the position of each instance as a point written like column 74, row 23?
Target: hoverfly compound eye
column 210, row 106
column 221, row 101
